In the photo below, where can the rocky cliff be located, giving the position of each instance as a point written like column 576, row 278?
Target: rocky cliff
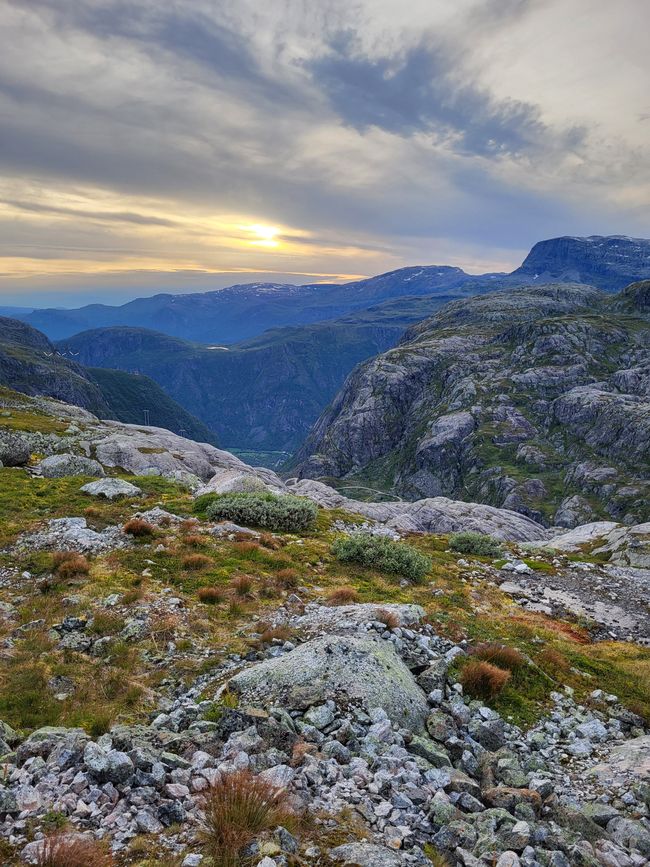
column 535, row 399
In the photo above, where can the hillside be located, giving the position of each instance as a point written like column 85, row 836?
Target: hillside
column 263, row 394
column 162, row 662
column 31, row 364
column 534, row 399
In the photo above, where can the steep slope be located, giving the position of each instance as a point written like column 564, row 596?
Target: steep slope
column 535, row 399
column 262, row 394
column 609, row 262
column 29, row 363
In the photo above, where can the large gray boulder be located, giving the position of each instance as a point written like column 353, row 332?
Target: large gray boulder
column 626, row 546
column 14, row 450
column 111, row 489
column 58, row 466
column 362, row 671
column 366, row 855
column 626, row 764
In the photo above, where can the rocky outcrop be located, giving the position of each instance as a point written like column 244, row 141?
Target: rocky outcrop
column 523, row 399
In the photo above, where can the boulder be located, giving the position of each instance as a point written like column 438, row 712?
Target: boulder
column 14, row 450
column 58, row 466
column 627, row 763
column 348, row 669
column 366, row 855
column 111, row 489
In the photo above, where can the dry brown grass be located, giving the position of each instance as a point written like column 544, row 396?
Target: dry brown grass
column 483, row 680
column 271, row 542
column 389, row 618
column 268, row 634
column 189, row 525
column 288, row 579
column 73, row 850
column 246, row 547
column 193, row 540
column 70, row 564
column 300, row 750
column 237, row 809
column 242, row 585
column 139, row 528
column 210, row 595
column 196, row 562
column 342, row 596
column 499, row 654
column 553, row 660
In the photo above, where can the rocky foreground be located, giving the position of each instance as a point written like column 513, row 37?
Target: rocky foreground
column 183, row 650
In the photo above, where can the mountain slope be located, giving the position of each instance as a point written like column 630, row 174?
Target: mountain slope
column 265, row 393
column 536, row 399
column 29, row 363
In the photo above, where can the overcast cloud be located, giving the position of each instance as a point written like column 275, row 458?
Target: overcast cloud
column 195, row 143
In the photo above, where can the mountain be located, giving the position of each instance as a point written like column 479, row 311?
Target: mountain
column 243, row 311
column 609, row 262
column 29, row 363
column 536, row 399
column 265, row 393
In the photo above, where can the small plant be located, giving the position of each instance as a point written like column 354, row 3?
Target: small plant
column 139, row 528
column 73, row 850
column 242, row 585
column 287, row 578
column 342, row 596
column 553, row 660
column 194, row 540
column 237, row 809
column 482, row 679
column 378, row 552
column 70, row 564
column 389, row 618
column 479, row 544
column 269, row 634
column 210, row 595
column 196, row 562
column 271, row 511
column 227, row 700
column 498, row 654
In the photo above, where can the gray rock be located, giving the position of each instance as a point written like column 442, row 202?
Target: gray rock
column 58, row 466
column 111, row 489
column 365, row 855
column 340, row 667
column 110, row 766
column 14, row 450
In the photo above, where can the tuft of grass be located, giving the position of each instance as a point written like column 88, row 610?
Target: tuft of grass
column 483, row 680
column 378, row 552
column 196, row 562
column 70, row 564
column 389, row 618
column 237, row 809
column 194, row 540
column 288, row 578
column 499, row 654
column 242, row 585
column 342, row 596
column 210, row 595
column 270, row 511
column 468, row 542
column 550, row 659
column 139, row 528
column 73, row 850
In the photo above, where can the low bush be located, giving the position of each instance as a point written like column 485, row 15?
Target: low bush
column 237, row 809
column 73, row 850
column 342, row 596
column 70, row 564
column 270, row 511
column 498, row 654
column 242, row 585
column 469, row 542
column 139, row 528
column 482, row 679
column 196, row 562
column 378, row 552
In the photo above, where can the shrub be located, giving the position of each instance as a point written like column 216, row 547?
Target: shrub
column 210, row 595
column 139, row 528
column 378, row 552
column 196, row 562
column 498, row 654
column 73, row 850
column 482, row 679
column 238, row 809
column 70, row 564
column 342, row 596
column 469, row 542
column 271, row 511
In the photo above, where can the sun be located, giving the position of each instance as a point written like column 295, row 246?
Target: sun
column 265, row 236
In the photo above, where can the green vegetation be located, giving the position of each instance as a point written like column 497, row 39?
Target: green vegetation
column 475, row 543
column 379, row 552
column 270, row 511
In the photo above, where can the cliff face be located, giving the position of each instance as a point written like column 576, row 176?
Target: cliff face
column 607, row 262
column 536, row 400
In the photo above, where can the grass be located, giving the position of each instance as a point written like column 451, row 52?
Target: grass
column 237, row 809
column 342, row 596
column 499, row 654
column 482, row 679
column 73, row 850
column 139, row 528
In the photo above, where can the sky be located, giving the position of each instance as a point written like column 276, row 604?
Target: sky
column 181, row 145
